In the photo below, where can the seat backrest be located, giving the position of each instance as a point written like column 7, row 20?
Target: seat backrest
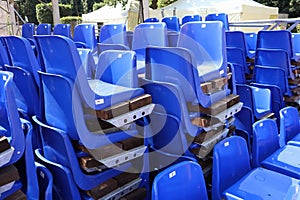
column 43, row 29
column 117, row 67
column 113, row 34
column 236, row 39
column 172, row 23
column 296, row 42
column 223, row 17
column 4, row 56
column 289, row 124
column 202, row 39
column 151, row 19
column 190, row 18
column 274, row 58
column 149, row 34
column 261, row 74
column 237, row 56
column 265, row 140
column 227, row 169
column 276, row 39
column 28, row 30
column 63, row 182
column 62, row 29
column 45, row 180
column 23, row 56
column 9, row 117
column 178, row 69
column 251, row 40
column 87, row 61
column 85, row 33
column 167, row 182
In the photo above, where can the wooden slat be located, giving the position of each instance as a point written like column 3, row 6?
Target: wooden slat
column 8, row 174
column 4, row 144
column 296, row 81
column 103, row 189
column 131, row 143
column 204, row 121
column 140, row 193
column 124, row 107
column 199, row 139
column 126, row 177
column 18, row 195
column 89, row 162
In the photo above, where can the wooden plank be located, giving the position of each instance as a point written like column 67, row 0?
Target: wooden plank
column 126, row 177
column 296, row 81
column 206, row 87
column 199, row 139
column 204, row 121
column 103, row 189
column 4, row 144
column 140, row 101
column 219, row 83
column 18, row 195
column 131, row 143
column 140, row 193
column 8, row 174
column 89, row 162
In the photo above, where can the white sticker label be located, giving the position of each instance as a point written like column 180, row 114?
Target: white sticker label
column 172, row 174
column 99, row 101
column 226, row 144
column 4, row 78
column 203, row 25
column 222, row 72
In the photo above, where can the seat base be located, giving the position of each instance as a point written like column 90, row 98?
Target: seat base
column 261, row 183
column 285, row 160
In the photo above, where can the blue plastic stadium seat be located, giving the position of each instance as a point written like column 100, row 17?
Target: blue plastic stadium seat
column 257, row 99
column 266, row 151
column 223, row 17
column 237, row 56
column 151, row 19
column 101, row 47
column 43, row 29
column 28, row 30
column 88, row 62
column 85, row 36
column 9, row 119
column 25, row 67
column 62, row 29
column 202, row 39
column 274, row 58
column 296, row 43
column 118, row 67
column 289, row 126
column 233, row 178
column 190, row 18
column 113, row 34
column 251, row 39
column 58, row 148
column 168, row 184
column 277, row 39
column 146, row 34
column 172, row 23
column 237, row 39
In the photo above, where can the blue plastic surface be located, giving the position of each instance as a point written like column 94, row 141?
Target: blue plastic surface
column 172, row 23
column 277, row 39
column 289, row 125
column 179, row 69
column 251, row 39
column 202, row 39
column 146, row 34
column 274, row 58
column 223, row 17
column 28, row 30
column 9, row 117
column 179, row 182
column 57, row 148
column 233, row 178
column 87, row 62
column 190, row 18
column 237, row 39
column 296, row 44
column 84, row 35
column 43, row 29
column 103, row 47
column 62, row 29
column 113, row 34
column 151, row 19
column 236, row 56
column 118, row 67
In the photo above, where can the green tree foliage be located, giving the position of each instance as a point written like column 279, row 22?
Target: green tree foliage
column 44, row 12
column 163, row 3
column 294, row 10
column 96, row 6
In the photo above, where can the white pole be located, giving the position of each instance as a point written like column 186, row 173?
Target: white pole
column 146, row 9
column 55, row 12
